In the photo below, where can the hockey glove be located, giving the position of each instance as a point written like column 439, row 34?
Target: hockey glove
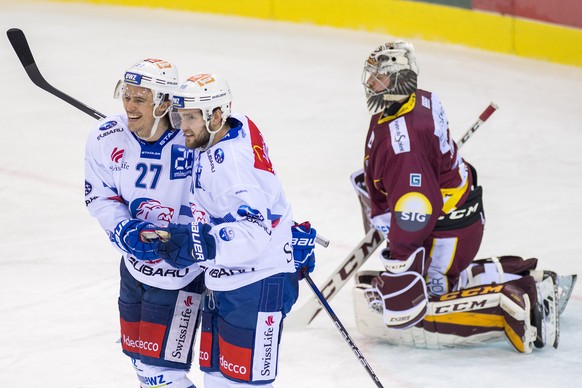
column 187, row 244
column 303, row 243
column 128, row 237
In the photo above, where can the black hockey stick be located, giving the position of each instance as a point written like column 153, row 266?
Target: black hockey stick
column 358, row 256
column 342, row 330
column 20, row 45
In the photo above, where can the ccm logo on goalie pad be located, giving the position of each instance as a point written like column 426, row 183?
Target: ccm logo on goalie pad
column 471, row 299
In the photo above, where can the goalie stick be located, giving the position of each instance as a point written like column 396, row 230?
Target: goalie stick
column 20, row 45
column 358, row 256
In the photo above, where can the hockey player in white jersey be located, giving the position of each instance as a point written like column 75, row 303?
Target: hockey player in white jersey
column 138, row 177
column 243, row 236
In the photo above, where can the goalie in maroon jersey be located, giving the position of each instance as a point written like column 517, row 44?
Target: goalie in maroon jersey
column 424, row 197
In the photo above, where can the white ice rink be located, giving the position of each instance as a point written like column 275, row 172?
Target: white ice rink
column 301, row 85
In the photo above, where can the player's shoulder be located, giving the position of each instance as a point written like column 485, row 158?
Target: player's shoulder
column 428, row 101
column 111, row 127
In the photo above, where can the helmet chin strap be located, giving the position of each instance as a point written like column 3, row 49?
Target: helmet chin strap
column 156, row 122
column 212, row 135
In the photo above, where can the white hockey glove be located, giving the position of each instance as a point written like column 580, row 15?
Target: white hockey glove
column 403, row 290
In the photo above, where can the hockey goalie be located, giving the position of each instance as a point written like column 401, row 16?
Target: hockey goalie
column 419, row 192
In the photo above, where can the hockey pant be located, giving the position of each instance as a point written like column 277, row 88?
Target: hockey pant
column 241, row 331
column 496, row 302
column 158, row 329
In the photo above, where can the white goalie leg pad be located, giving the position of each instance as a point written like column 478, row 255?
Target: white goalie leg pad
column 546, row 314
column 156, row 376
column 369, row 321
column 463, row 318
column 518, row 329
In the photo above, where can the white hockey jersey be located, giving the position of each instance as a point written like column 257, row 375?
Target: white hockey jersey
column 237, row 192
column 126, row 177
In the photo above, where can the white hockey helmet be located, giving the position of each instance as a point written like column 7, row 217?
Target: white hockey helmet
column 206, row 92
column 397, row 61
column 160, row 76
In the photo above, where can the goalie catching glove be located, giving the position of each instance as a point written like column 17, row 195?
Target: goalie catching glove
column 401, row 291
column 303, row 243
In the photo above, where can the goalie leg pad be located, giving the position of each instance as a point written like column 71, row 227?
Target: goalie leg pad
column 447, row 330
column 516, row 306
column 467, row 317
column 546, row 315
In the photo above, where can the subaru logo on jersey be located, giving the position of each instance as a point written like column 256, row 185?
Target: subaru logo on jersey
column 178, row 102
column 227, row 234
column 219, row 155
column 132, row 78
column 88, row 188
column 107, row 125
column 412, row 210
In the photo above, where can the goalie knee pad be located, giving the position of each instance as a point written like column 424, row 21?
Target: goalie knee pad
column 495, row 270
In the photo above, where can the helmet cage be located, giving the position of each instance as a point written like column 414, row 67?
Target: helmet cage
column 397, row 61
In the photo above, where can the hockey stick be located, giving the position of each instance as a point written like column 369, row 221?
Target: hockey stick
column 342, row 329
column 357, row 257
column 20, row 45
column 22, row 49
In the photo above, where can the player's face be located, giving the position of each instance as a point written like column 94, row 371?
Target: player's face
column 138, row 103
column 378, row 82
column 194, row 128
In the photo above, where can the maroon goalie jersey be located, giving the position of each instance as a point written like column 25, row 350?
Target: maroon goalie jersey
column 415, row 175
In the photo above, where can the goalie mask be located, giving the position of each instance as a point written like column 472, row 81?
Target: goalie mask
column 156, row 75
column 206, row 92
column 390, row 74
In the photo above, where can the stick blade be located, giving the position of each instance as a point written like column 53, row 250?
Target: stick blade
column 20, row 45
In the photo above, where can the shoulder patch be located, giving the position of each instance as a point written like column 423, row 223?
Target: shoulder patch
column 399, row 136
column 425, row 102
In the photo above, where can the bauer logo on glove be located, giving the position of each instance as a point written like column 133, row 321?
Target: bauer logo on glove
column 303, row 243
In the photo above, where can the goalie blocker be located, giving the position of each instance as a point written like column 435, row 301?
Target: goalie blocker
column 499, row 298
